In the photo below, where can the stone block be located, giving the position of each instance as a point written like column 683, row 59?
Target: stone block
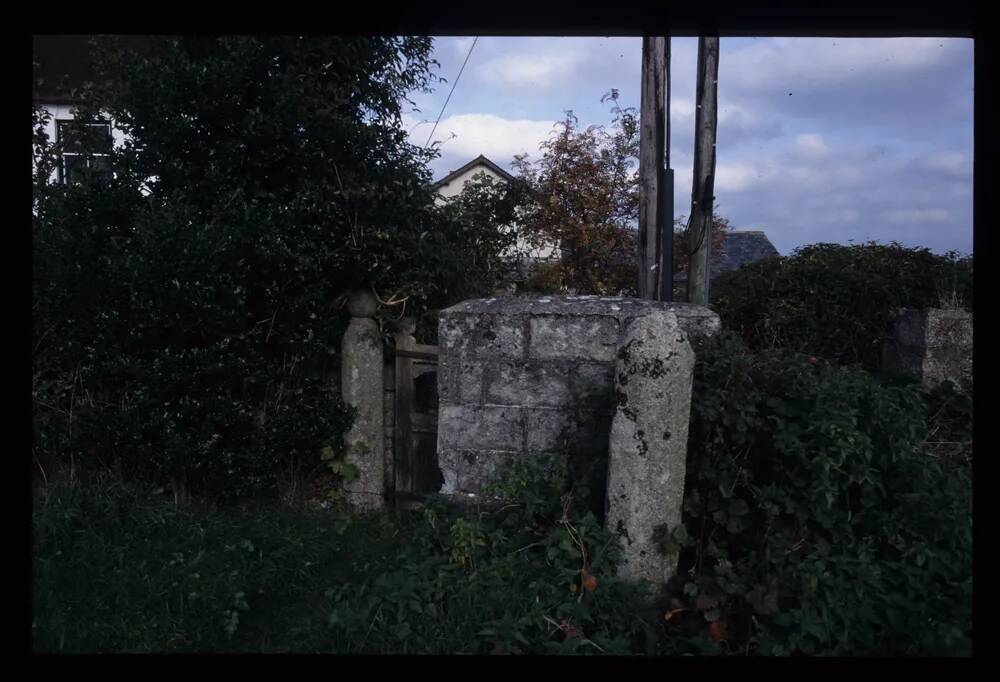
column 950, row 328
column 481, row 335
column 460, row 379
column 647, row 450
column 591, row 383
column 485, row 427
column 466, row 471
column 932, row 346
column 589, row 337
column 575, row 432
column 529, row 383
column 535, row 374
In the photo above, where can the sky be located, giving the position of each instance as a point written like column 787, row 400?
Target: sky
column 840, row 140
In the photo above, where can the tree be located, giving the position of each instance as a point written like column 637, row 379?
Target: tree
column 584, row 197
column 492, row 207
column 583, row 194
column 193, row 298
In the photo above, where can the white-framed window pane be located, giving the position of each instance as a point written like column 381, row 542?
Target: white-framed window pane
column 74, row 166
column 86, row 138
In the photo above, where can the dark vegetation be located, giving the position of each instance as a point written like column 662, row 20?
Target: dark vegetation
column 186, row 311
column 816, row 522
column 186, row 329
column 837, row 301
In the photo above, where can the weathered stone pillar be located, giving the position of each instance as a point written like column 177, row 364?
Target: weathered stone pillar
column 361, row 387
column 648, row 444
column 932, row 346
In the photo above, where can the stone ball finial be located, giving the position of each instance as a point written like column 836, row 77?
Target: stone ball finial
column 362, row 303
column 407, row 326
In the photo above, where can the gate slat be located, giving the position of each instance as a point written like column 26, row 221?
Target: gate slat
column 403, row 456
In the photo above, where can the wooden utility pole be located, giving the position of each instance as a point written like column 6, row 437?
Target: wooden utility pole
column 652, row 153
column 703, row 182
column 665, row 216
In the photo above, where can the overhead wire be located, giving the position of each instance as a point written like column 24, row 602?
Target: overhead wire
column 467, row 55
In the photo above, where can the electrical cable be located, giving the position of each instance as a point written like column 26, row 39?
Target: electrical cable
column 469, row 54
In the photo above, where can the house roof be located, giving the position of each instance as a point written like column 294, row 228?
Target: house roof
column 741, row 247
column 478, row 161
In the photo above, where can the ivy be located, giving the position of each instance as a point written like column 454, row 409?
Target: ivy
column 819, row 520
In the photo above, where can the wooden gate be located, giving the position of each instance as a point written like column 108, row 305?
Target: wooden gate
column 415, row 468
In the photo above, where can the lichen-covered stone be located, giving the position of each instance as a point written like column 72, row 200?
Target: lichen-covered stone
column 480, row 335
column 486, row 427
column 573, row 432
column 531, row 383
column 535, row 375
column 362, row 303
column 585, row 337
column 699, row 322
column 648, row 443
column 932, row 346
column 361, row 387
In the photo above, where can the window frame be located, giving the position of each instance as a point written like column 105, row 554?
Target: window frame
column 63, row 170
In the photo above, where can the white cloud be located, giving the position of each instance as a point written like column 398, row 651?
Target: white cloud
column 917, row 215
column 736, row 177
column 681, row 109
column 535, row 70
column 811, row 144
column 950, row 163
column 462, row 45
column 823, row 61
column 498, row 138
column 736, row 122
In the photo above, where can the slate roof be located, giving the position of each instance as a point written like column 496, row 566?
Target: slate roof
column 741, row 247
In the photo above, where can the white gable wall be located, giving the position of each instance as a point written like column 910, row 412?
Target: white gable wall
column 65, row 112
column 454, row 188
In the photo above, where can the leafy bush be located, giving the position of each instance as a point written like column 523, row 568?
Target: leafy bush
column 583, row 197
column 536, row 576
column 837, row 301
column 816, row 521
column 185, row 310
column 119, row 569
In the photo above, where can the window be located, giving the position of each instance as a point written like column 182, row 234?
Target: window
column 85, row 148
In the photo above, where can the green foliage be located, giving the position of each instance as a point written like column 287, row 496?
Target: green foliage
column 118, row 569
column 836, row 301
column 185, row 310
column 584, row 198
column 484, row 216
column 533, row 575
column 816, row 520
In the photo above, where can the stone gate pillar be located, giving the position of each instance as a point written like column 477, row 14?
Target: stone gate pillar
column 361, row 387
column 647, row 453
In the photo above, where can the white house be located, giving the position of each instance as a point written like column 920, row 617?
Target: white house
column 452, row 184
column 64, row 62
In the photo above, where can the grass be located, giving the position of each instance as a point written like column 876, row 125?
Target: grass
column 117, row 570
